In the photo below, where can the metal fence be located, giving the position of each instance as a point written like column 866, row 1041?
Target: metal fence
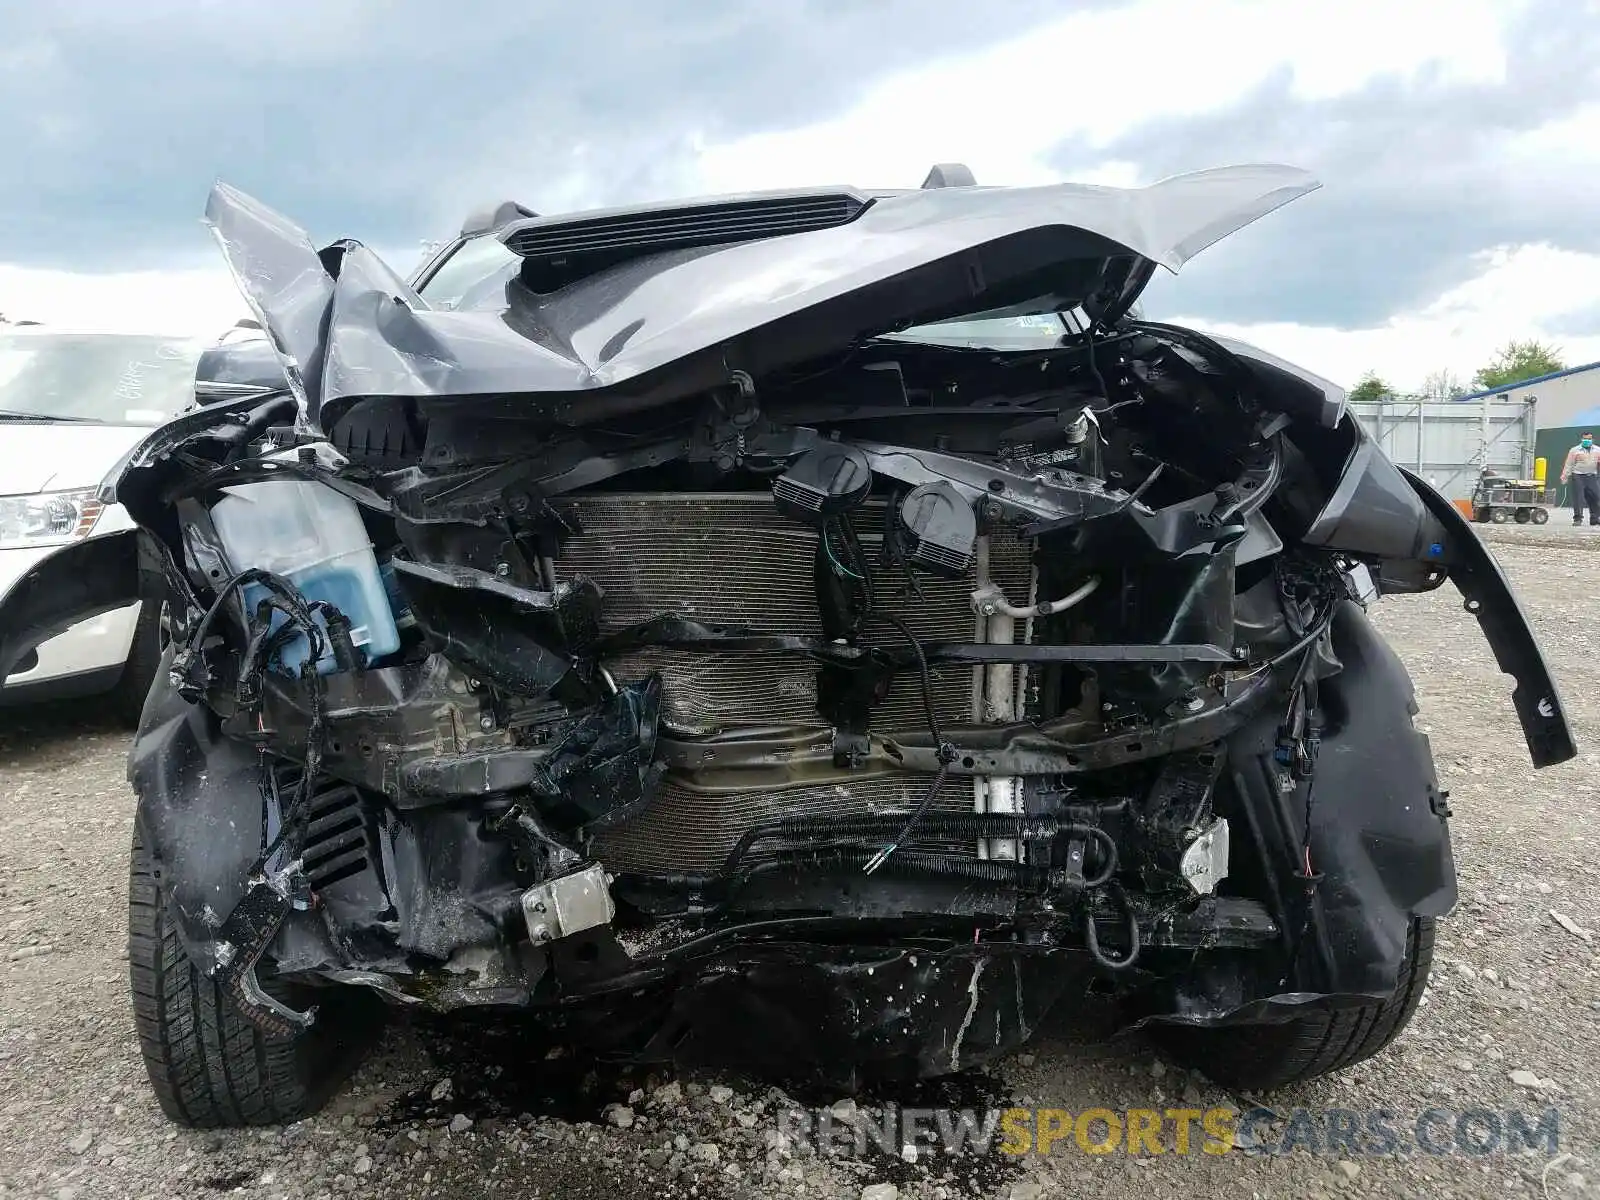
column 1449, row 442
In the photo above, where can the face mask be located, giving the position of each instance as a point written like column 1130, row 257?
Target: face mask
column 1588, row 443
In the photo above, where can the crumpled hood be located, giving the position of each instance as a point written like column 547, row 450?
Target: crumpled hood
column 672, row 323
column 60, row 457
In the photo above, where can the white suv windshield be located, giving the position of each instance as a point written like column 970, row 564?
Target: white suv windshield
column 105, row 378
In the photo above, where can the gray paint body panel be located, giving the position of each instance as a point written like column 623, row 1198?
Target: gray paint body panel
column 660, row 325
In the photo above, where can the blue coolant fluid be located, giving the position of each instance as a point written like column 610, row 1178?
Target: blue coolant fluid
column 403, row 619
column 314, row 537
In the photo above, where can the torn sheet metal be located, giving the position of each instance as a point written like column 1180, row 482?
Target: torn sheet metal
column 929, row 254
column 283, row 281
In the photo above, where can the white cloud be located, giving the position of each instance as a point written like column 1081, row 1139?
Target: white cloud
column 1521, row 293
column 1003, row 110
column 1096, row 74
column 1554, row 153
column 190, row 301
column 1090, row 76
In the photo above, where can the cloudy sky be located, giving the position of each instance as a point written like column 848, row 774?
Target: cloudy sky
column 1458, row 142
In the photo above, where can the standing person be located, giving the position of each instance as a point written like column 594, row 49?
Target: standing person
column 1582, row 468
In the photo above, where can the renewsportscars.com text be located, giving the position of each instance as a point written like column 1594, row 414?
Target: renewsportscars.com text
column 1339, row 1132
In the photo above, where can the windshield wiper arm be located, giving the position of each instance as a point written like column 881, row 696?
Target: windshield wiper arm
column 12, row 414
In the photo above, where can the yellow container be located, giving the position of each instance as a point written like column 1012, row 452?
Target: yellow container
column 1541, row 468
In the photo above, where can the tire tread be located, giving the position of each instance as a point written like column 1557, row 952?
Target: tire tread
column 1268, row 1056
column 208, row 1066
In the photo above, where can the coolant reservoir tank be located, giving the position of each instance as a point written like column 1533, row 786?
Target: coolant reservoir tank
column 314, row 537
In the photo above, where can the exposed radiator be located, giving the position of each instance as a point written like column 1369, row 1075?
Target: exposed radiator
column 734, row 559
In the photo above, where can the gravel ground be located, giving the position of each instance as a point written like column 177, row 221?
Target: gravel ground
column 1559, row 532
column 1513, row 992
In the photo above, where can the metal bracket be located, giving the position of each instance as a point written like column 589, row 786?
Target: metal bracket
column 1205, row 863
column 567, row 905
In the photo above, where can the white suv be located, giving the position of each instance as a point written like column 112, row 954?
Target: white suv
column 72, row 403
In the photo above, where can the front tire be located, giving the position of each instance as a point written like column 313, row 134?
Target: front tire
column 209, row 1067
column 1260, row 1058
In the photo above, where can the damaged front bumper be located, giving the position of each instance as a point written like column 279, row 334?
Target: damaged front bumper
column 902, row 969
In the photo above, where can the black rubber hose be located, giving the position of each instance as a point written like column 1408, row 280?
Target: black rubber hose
column 910, row 824
column 1091, row 934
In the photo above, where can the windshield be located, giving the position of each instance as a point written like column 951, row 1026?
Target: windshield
column 463, row 274
column 1030, row 332
column 105, row 378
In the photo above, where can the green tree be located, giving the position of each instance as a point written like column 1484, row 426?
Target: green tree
column 1370, row 387
column 1518, row 361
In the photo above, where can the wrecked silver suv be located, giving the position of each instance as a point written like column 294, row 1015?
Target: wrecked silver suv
column 814, row 629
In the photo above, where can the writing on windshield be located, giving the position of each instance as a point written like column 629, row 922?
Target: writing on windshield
column 115, row 379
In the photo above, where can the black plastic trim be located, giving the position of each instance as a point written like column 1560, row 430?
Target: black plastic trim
column 1490, row 598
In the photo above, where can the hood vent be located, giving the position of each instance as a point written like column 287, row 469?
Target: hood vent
column 559, row 250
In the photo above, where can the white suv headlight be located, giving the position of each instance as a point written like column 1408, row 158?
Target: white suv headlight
column 48, row 518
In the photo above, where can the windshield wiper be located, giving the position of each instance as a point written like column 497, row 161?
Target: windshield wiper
column 11, row 414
